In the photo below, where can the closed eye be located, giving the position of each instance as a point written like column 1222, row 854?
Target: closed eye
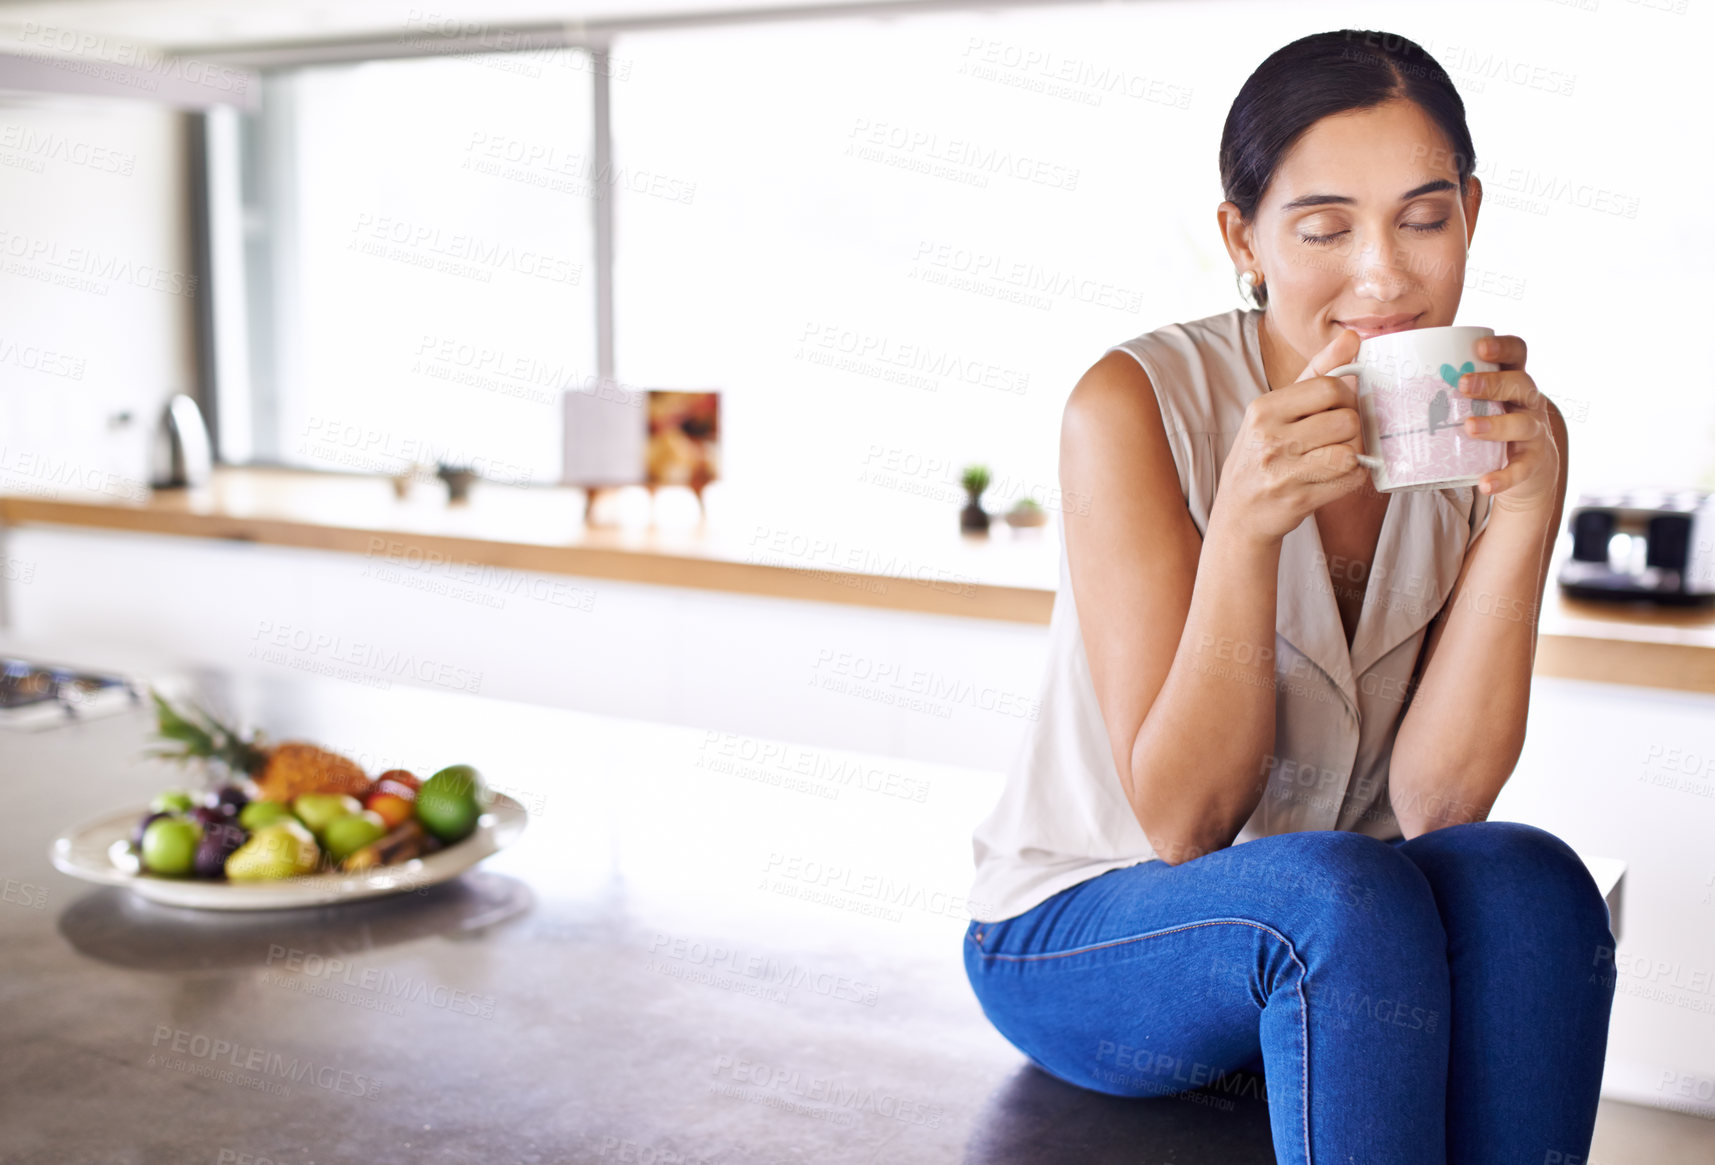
column 1426, row 228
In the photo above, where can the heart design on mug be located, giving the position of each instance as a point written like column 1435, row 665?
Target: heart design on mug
column 1451, row 374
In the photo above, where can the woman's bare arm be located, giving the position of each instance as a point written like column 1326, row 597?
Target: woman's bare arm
column 1179, row 629
column 1461, row 736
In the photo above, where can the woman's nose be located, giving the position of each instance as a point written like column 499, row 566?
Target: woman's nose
column 1381, row 273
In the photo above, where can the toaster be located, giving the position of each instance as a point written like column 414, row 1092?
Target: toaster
column 1651, row 544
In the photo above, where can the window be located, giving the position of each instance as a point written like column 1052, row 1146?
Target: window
column 421, row 263
column 898, row 255
column 908, row 238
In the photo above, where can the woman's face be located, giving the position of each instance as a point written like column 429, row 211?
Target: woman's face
column 1361, row 227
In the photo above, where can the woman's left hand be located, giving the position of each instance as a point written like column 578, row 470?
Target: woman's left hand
column 1531, row 477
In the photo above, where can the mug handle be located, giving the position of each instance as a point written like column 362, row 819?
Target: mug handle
column 1364, row 459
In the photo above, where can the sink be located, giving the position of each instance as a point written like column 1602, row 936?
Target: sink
column 36, row 695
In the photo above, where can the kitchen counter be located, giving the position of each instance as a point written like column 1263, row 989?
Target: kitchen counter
column 925, row 567
column 701, row 950
column 705, row 948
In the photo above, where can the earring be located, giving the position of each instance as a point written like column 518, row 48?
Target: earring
column 1248, row 284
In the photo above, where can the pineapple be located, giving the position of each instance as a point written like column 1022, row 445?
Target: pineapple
column 281, row 771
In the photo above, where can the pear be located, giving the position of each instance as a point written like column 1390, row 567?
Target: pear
column 259, row 813
column 284, row 849
column 317, row 810
column 346, row 835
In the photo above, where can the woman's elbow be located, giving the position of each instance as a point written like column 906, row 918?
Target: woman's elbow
column 1175, row 847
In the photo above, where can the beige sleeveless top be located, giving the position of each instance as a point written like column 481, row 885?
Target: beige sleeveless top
column 1063, row 816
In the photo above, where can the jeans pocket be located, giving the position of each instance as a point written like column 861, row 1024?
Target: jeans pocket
column 985, row 936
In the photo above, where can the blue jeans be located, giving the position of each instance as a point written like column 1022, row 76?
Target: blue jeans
column 1441, row 1000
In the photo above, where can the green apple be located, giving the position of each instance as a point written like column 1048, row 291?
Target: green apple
column 346, row 835
column 317, row 809
column 450, row 802
column 283, row 849
column 170, row 846
column 259, row 813
column 173, row 801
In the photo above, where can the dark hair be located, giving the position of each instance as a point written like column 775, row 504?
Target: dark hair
column 1324, row 74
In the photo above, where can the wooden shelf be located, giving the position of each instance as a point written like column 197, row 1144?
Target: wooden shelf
column 925, row 567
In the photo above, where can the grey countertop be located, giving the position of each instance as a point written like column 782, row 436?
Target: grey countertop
column 688, row 957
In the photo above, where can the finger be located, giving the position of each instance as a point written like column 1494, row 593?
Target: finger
column 1513, row 385
column 1303, row 399
column 1518, row 425
column 1518, row 467
column 1344, row 481
column 1507, row 351
column 1330, row 463
column 1330, row 426
column 1342, row 349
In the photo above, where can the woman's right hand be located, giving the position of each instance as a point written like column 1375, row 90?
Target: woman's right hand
column 1296, row 451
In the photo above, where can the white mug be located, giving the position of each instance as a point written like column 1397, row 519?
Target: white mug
column 1413, row 414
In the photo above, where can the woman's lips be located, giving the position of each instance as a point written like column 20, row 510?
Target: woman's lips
column 1367, row 326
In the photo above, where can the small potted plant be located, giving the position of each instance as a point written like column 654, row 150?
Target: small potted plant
column 973, row 519
column 458, row 479
column 1026, row 512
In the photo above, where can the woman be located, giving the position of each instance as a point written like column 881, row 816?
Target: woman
column 1251, row 645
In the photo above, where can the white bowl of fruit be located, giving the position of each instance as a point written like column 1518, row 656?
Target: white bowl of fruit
column 291, row 825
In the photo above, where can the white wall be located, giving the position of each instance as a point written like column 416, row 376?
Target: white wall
column 96, row 288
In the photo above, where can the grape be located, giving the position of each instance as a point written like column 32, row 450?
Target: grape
column 211, row 814
column 218, row 843
column 231, row 795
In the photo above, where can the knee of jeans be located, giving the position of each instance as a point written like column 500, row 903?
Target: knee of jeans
column 1526, row 867
column 1363, row 878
